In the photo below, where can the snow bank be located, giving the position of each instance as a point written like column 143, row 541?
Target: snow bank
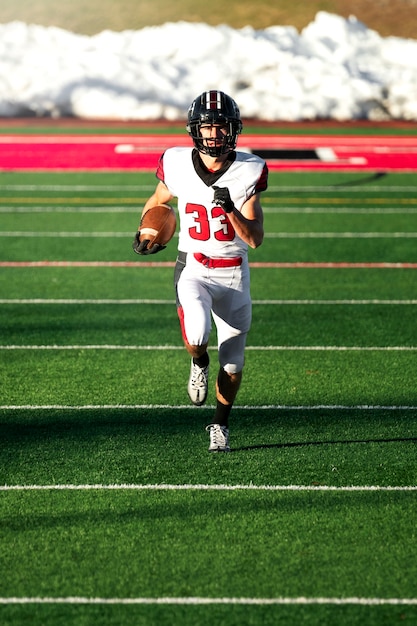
column 335, row 68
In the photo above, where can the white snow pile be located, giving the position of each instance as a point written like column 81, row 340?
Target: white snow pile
column 335, row 68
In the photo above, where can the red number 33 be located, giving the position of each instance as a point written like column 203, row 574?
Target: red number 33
column 201, row 230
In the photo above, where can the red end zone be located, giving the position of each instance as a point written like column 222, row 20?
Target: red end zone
column 141, row 152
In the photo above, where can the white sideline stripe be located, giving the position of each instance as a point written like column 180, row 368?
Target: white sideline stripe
column 251, row 348
column 264, row 407
column 205, row 487
column 208, row 601
column 155, row 301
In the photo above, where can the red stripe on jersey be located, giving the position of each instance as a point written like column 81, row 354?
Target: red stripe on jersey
column 160, row 169
column 262, row 183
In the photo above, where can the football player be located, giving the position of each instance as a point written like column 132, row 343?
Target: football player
column 218, row 190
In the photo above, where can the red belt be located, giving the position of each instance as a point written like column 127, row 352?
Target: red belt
column 224, row 262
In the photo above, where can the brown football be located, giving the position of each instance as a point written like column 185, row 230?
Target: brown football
column 158, row 225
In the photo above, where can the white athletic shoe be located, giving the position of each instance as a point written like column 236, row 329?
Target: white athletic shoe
column 198, row 384
column 219, row 438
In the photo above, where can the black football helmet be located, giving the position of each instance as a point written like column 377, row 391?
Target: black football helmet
column 214, row 107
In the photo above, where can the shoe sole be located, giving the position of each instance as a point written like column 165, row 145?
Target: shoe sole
column 197, row 402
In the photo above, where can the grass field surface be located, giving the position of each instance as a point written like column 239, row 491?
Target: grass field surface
column 112, row 509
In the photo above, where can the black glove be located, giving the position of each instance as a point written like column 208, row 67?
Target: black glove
column 222, row 198
column 141, row 247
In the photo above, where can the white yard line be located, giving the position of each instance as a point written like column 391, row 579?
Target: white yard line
column 79, row 600
column 281, row 235
column 100, row 301
column 206, row 487
column 281, row 209
column 251, row 348
column 332, row 190
column 272, row 265
column 339, row 210
column 329, row 189
column 264, row 407
column 65, row 234
column 103, row 188
column 341, row 235
column 74, row 209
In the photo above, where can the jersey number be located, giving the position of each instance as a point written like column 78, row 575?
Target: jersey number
column 201, row 230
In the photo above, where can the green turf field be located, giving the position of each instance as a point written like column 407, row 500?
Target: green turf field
column 112, row 511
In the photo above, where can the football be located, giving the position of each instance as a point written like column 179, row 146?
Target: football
column 158, row 225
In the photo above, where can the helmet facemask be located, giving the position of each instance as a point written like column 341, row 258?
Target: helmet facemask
column 218, row 109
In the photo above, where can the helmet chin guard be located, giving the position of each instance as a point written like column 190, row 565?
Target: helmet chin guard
column 214, row 107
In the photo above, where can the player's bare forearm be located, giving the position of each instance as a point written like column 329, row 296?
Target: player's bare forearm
column 161, row 195
column 250, row 230
column 248, row 223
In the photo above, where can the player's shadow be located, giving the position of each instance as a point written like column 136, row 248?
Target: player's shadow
column 300, row 444
column 362, row 180
column 356, row 182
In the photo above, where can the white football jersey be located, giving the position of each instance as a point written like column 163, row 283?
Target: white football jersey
column 205, row 227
